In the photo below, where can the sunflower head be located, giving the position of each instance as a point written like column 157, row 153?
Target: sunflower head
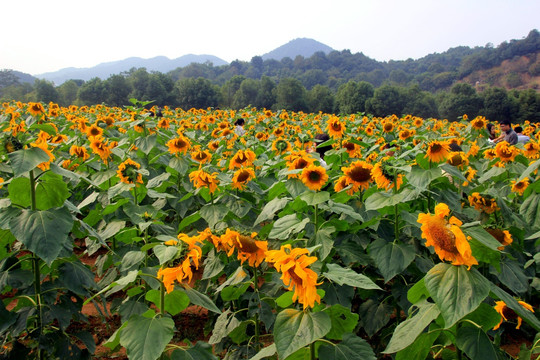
column 314, row 177
column 438, row 151
column 127, row 172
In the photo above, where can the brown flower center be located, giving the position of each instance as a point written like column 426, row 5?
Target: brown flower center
column 360, row 174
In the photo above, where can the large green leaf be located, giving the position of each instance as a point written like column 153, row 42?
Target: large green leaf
column 380, row 200
column 145, row 338
column 513, row 276
column 349, row 277
column 374, row 315
column 175, row 301
column 407, row 331
column 200, row 351
column 213, row 214
column 165, row 253
column 324, row 238
column 475, row 343
column 264, row 353
column 287, row 225
column 225, row 324
column 27, row 159
column 315, row 198
column 77, row 277
column 270, row 209
column 295, row 329
column 421, row 178
column 19, row 192
column 200, row 299
column 390, row 258
column 478, row 233
column 351, row 348
column 456, row 290
column 343, row 321
column 51, row 191
column 146, row 143
column 43, row 232
column 420, row 348
column 530, row 209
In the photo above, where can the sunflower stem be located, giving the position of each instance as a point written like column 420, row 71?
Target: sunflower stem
column 316, row 218
column 429, row 193
column 257, row 328
column 312, row 351
column 135, row 194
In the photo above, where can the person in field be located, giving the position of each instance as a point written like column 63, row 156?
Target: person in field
column 508, row 134
column 521, row 138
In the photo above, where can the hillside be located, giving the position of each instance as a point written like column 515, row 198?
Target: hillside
column 303, row 47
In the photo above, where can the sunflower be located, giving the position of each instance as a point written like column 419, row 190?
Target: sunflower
column 480, row 203
column 405, row 134
column 458, row 159
column 473, row 149
column 1, row 182
column 94, row 131
column 438, row 151
column 181, row 144
column 506, row 152
column 384, row 179
column 469, row 174
column 490, row 154
column 446, row 236
column 314, row 177
column 11, row 144
column 35, row 109
column 101, row 148
column 247, row 247
column 388, row 126
column 358, row 174
column 335, row 128
column 242, row 158
column 531, row 150
column 341, row 183
column 520, row 186
column 127, row 172
column 241, row 177
column 79, row 151
column 502, row 236
column 43, row 146
column 508, row 314
column 298, row 160
column 281, row 146
column 201, row 178
column 352, row 149
column 295, row 274
column 479, row 123
column 201, row 156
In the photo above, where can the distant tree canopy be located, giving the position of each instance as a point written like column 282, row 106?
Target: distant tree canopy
column 339, row 82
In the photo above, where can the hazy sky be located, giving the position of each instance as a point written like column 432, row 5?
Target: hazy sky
column 42, row 36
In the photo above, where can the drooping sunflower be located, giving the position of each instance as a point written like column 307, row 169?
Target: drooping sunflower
column 101, row 148
column 127, row 172
column 178, row 145
column 296, row 276
column 506, row 152
column 314, row 177
column 479, row 123
column 490, row 154
column 94, row 131
column 458, row 159
column 201, row 178
column 502, row 236
column 508, row 314
column 481, row 203
column 79, row 151
column 354, row 150
column 281, row 146
column 298, row 160
column 35, row 109
column 201, row 156
column 469, row 175
column 335, row 128
column 242, row 158
column 247, row 247
column 520, row 186
column 405, row 134
column 241, row 177
column 531, row 150
column 438, row 151
column 446, row 236
column 358, row 174
column 384, row 179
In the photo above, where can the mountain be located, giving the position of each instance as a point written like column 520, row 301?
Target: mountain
column 104, row 70
column 301, row 46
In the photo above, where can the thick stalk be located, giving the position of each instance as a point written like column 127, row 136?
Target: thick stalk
column 257, row 329
column 36, row 269
column 312, row 351
column 135, row 194
column 162, row 298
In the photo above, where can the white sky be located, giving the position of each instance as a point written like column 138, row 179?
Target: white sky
column 42, row 36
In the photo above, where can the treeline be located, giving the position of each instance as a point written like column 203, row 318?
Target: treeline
column 338, row 82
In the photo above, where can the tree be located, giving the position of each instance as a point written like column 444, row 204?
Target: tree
column 419, row 103
column 67, row 93
column 351, row 97
column 313, row 77
column 92, row 92
column 386, row 100
column 45, row 91
column 320, row 98
column 291, row 95
column 266, row 97
column 117, row 90
column 246, row 94
column 197, row 93
column 462, row 99
column 229, row 89
column 498, row 105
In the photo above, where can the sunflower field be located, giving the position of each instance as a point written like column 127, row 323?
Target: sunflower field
column 391, row 238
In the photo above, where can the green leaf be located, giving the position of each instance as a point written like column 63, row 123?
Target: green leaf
column 475, row 343
column 456, row 290
column 7, row 318
column 200, row 351
column 485, row 316
column 213, row 214
column 513, row 276
column 51, row 191
column 295, row 329
column 131, row 259
column 112, row 229
column 417, row 292
column 349, row 277
column 391, row 259
column 315, row 198
column 324, row 238
column 180, row 164
column 285, row 300
column 351, row 348
column 233, row 292
column 287, row 225
column 188, row 220
column 268, row 351
column 419, row 349
column 225, row 324
column 494, row 171
column 512, row 303
column 175, row 301
column 145, row 338
column 530, row 209
column 374, row 315
column 19, row 192
column 202, row 300
column 344, row 209
column 481, row 235
column 165, row 253
column 213, row 266
column 27, row 159
column 158, row 180
column 343, row 321
column 44, row 232
column 270, row 209
column 146, row 143
column 421, row 178
column 407, row 331
column 77, row 277
column 380, row 200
